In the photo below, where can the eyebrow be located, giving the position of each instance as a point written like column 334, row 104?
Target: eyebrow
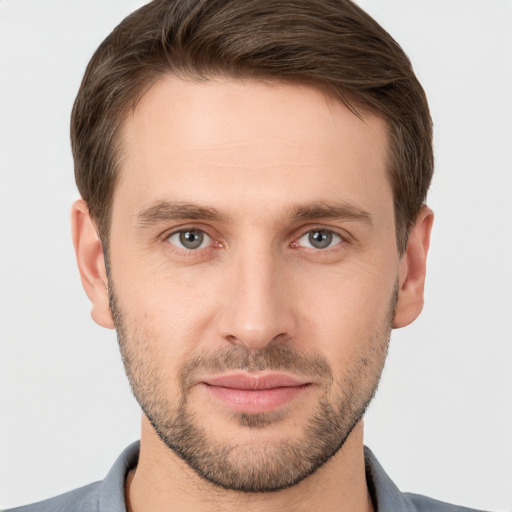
column 162, row 211
column 334, row 211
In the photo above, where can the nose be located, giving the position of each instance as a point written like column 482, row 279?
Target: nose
column 257, row 307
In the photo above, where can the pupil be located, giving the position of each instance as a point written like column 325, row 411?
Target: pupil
column 191, row 239
column 320, row 239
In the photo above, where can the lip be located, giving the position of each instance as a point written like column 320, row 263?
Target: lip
column 255, row 393
column 255, row 382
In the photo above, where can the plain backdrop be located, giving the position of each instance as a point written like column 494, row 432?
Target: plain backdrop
column 442, row 421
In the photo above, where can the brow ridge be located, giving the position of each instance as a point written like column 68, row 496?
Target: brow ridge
column 327, row 210
column 161, row 211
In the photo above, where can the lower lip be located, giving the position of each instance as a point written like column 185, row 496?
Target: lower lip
column 254, row 401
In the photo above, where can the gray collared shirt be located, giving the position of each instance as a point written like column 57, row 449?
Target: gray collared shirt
column 108, row 495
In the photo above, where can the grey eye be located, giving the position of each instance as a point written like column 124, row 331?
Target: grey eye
column 319, row 239
column 190, row 239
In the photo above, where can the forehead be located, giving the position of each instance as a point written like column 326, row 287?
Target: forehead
column 250, row 141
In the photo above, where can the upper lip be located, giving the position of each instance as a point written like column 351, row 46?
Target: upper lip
column 255, row 382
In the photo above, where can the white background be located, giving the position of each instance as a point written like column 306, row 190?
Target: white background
column 442, row 422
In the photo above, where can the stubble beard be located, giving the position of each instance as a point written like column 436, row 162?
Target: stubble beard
column 253, row 468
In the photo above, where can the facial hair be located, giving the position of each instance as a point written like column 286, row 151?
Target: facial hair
column 253, row 467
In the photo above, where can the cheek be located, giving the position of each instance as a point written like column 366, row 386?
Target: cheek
column 170, row 312
column 347, row 313
column 164, row 291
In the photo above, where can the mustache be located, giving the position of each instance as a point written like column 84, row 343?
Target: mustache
column 272, row 357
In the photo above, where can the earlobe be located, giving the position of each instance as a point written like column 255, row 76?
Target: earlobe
column 91, row 263
column 412, row 270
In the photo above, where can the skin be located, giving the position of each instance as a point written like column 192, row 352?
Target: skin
column 256, row 154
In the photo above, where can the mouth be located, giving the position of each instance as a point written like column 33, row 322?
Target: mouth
column 254, row 394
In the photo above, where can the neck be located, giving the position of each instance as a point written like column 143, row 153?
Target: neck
column 163, row 482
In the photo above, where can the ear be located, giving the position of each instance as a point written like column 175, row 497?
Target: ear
column 412, row 270
column 91, row 263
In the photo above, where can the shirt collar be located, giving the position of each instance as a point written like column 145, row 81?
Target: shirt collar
column 111, row 497
column 385, row 494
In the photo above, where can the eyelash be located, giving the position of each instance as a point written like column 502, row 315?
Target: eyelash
column 213, row 244
column 337, row 237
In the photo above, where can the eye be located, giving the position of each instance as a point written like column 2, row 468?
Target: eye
column 190, row 239
column 319, row 239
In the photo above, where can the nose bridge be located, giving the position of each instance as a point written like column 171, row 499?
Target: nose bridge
column 255, row 311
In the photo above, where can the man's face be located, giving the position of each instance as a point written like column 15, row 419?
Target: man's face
column 253, row 274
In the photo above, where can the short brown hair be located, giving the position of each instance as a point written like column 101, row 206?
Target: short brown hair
column 329, row 44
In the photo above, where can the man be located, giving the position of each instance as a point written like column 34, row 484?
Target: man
column 253, row 224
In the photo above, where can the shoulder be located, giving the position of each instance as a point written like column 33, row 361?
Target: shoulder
column 106, row 495
column 424, row 504
column 84, row 499
column 387, row 497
